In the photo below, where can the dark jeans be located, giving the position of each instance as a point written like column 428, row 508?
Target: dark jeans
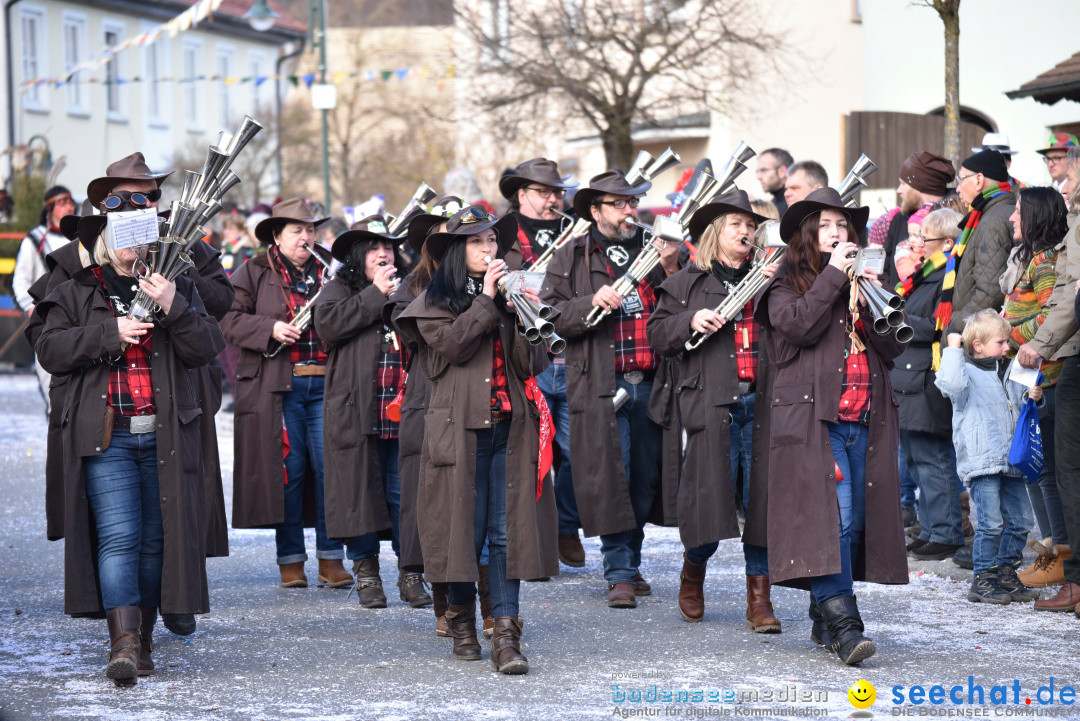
column 489, row 522
column 1049, row 514
column 122, row 488
column 756, row 558
column 641, row 461
column 1067, row 457
column 552, row 383
column 303, row 411
column 367, row 545
column 907, row 482
column 848, row 441
column 1002, row 509
column 931, row 460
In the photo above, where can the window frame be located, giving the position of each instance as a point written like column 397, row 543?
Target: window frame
column 36, row 99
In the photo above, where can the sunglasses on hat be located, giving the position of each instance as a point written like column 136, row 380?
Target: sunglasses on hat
column 476, row 215
column 117, row 200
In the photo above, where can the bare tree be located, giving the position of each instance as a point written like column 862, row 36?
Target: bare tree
column 616, row 62
column 949, row 12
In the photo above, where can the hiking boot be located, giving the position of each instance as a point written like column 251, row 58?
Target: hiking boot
column 1049, row 567
column 1013, row 586
column 985, row 589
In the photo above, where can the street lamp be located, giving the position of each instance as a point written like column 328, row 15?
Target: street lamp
column 261, row 18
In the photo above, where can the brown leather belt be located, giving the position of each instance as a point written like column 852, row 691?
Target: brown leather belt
column 499, row 416
column 308, row 369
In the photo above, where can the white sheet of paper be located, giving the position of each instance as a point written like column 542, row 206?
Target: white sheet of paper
column 130, row 228
column 1024, row 376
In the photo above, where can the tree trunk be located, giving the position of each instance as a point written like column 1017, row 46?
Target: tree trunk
column 618, row 145
column 950, row 16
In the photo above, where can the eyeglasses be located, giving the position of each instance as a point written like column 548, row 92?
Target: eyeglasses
column 1054, row 159
column 962, row 178
column 932, row 240
column 621, row 203
column 114, row 201
column 476, row 215
column 546, row 193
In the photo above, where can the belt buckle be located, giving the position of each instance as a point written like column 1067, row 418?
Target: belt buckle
column 144, row 424
column 744, row 388
column 633, row 377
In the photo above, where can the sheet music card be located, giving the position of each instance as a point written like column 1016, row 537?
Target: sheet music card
column 130, row 228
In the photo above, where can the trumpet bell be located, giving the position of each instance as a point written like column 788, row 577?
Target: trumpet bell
column 667, row 160
column 904, row 333
column 556, row 345
column 637, row 173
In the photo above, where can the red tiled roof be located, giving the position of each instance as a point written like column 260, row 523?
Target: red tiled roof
column 1059, row 82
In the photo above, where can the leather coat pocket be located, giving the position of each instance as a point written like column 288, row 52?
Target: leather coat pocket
column 440, row 437
column 792, row 414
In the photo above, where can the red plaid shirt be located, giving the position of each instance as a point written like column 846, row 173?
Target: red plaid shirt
column 500, row 385
column 632, row 349
column 746, row 344
column 389, row 377
column 855, row 389
column 131, row 389
column 309, row 348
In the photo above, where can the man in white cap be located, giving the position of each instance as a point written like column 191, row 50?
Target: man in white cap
column 1000, row 143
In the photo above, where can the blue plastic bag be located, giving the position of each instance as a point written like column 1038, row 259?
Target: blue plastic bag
column 1026, row 451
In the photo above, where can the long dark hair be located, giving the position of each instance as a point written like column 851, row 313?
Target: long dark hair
column 1043, row 221
column 802, row 262
column 421, row 275
column 353, row 272
column 447, row 287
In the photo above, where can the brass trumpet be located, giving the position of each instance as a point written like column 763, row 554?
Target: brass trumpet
column 645, row 167
column 574, row 228
column 305, row 315
column 418, row 203
column 855, row 180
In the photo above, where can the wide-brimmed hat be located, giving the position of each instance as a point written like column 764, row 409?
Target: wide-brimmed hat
column 472, row 221
column 132, row 167
column 611, row 182
column 817, row 201
column 371, row 228
column 293, row 210
column 996, row 141
column 733, row 201
column 538, row 170
column 1059, row 141
column 443, row 208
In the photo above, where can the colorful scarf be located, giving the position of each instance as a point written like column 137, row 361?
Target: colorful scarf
column 943, row 313
column 926, row 268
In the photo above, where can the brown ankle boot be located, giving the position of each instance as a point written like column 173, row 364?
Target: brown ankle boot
column 292, row 575
column 691, row 593
column 438, row 605
column 413, row 590
column 368, row 583
column 506, row 647
column 461, row 621
column 332, row 572
column 146, row 639
column 123, row 645
column 484, row 594
column 759, row 610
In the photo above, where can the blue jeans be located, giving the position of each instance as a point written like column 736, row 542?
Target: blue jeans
column 122, row 488
column 907, row 483
column 641, row 462
column 931, row 460
column 489, row 522
column 756, row 558
column 303, row 411
column 1002, row 508
column 848, row 441
column 367, row 545
column 552, row 383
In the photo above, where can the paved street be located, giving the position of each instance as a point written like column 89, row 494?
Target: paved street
column 270, row 653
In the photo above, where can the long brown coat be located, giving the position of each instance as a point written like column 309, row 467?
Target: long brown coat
column 259, row 470
column 809, row 340
column 455, row 353
column 410, row 434
column 350, row 323
column 600, row 485
column 79, row 331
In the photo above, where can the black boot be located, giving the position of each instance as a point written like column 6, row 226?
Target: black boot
column 819, row 631
column 846, row 630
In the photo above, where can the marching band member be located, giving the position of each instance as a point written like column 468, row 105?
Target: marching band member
column 716, row 396
column 279, row 397
column 834, row 427
column 616, row 482
column 364, row 372
column 480, row 454
column 134, row 510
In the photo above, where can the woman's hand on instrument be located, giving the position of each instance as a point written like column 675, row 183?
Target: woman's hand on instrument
column 707, row 321
column 496, row 270
column 382, row 280
column 285, row 333
column 840, row 253
column 131, row 330
column 160, row 290
column 607, row 298
column 770, row 270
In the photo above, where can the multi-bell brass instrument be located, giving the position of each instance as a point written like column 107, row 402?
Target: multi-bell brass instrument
column 199, row 201
column 418, row 203
column 672, row 229
column 537, row 328
column 855, row 180
column 767, row 239
column 887, row 309
column 306, row 314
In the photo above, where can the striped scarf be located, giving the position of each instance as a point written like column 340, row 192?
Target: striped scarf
column 943, row 313
column 926, row 268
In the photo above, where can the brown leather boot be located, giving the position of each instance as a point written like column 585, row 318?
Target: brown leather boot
column 413, row 590
column 484, row 594
column 292, row 575
column 571, row 551
column 368, row 583
column 124, row 645
column 146, row 638
column 506, row 654
column 332, row 572
column 1066, row 599
column 691, row 593
column 461, row 621
column 1049, row 567
column 438, row 605
column 759, row 610
column 641, row 586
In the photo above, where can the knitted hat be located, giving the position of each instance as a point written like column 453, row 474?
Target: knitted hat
column 928, row 173
column 990, row 163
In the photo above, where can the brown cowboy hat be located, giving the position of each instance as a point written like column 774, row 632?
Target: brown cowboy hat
column 471, row 221
column 371, row 228
column 733, row 201
column 817, row 201
column 132, row 167
column 444, row 207
column 293, row 210
column 538, row 170
column 612, row 182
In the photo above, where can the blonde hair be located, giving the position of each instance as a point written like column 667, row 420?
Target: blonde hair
column 942, row 223
column 983, row 326
column 766, row 208
column 709, row 242
column 103, row 254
